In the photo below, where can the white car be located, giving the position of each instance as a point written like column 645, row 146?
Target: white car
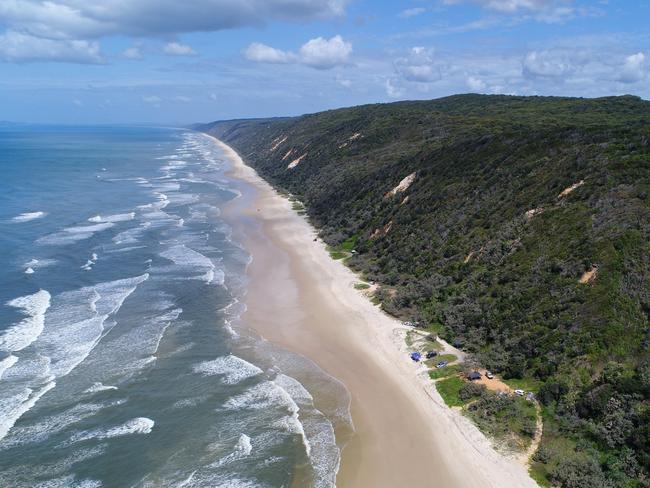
column 519, row 392
column 489, row 375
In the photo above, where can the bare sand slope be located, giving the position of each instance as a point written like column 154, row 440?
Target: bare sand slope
column 302, row 300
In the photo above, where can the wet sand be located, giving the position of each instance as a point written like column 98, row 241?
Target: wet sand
column 302, row 300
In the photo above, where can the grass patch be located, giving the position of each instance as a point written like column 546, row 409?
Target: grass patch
column 448, row 389
column 538, row 472
column 361, row 286
column 439, row 373
column 435, row 329
column 434, row 344
column 526, row 384
column 348, row 244
column 344, row 249
column 337, row 254
column 450, row 358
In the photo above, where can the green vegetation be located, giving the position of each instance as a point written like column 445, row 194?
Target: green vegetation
column 361, row 286
column 348, row 245
column 336, row 253
column 526, row 384
column 450, row 358
column 509, row 419
column 438, row 373
column 490, row 247
column 449, row 389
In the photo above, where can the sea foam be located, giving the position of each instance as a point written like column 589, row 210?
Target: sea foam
column 231, row 368
column 74, row 325
column 242, row 449
column 7, row 363
column 99, row 386
column 112, row 218
column 76, row 322
column 22, row 334
column 71, row 235
column 182, row 255
column 12, row 408
column 138, row 425
column 27, row 216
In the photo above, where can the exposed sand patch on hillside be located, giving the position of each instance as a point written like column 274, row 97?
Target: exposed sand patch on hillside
column 589, row 275
column 534, row 211
column 296, row 162
column 353, row 137
column 568, row 190
column 277, row 142
column 382, row 231
column 401, row 186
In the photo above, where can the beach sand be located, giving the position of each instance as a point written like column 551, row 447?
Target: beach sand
column 302, row 300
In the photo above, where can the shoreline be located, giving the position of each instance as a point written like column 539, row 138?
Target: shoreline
column 302, row 300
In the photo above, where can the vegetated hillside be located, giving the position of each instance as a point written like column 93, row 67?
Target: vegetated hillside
column 520, row 230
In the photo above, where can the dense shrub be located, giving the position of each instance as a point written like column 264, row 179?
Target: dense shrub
column 471, row 390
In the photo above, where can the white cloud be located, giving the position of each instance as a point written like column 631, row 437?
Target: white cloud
column 319, row 53
column 178, row 49
column 411, row 12
column 83, row 19
column 512, row 5
column 15, row 46
column 547, row 64
column 475, row 84
column 132, row 53
column 392, row 90
column 323, row 53
column 182, row 98
column 633, row 68
column 262, row 53
column 418, row 66
column 152, row 99
column 63, row 30
column 344, row 82
column 550, row 11
column 78, row 103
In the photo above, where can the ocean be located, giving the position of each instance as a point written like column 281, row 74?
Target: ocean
column 123, row 358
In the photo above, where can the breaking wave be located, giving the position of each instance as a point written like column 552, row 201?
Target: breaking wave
column 27, row 216
column 231, row 368
column 20, row 335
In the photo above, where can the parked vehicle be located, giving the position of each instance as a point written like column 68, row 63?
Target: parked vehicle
column 519, row 392
column 416, row 356
column 489, row 375
column 431, row 354
column 441, row 364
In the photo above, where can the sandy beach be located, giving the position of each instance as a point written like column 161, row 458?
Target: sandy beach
column 302, row 300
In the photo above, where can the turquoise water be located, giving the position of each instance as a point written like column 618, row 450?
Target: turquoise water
column 122, row 358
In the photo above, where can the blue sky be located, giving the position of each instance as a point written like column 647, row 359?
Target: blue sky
column 181, row 61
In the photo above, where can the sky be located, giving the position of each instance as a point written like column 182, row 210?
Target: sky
column 182, row 61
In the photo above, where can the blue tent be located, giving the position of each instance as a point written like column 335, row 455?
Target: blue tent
column 416, row 356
